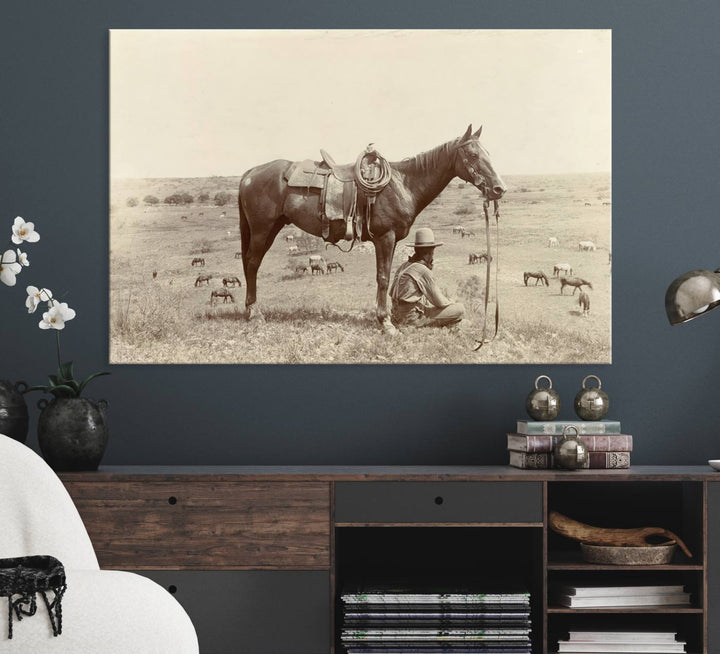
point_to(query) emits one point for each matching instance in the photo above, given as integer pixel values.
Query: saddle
(338, 186)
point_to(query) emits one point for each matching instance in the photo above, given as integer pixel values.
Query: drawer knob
(172, 500)
(172, 588)
(439, 500)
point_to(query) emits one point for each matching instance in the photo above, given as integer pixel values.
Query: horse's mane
(431, 159)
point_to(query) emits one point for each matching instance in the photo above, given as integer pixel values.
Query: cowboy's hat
(424, 238)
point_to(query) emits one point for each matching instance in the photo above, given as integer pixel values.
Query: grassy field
(330, 318)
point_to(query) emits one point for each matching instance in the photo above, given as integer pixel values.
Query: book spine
(555, 428)
(593, 442)
(596, 460)
(529, 460)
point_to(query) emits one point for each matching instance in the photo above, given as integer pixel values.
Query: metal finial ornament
(591, 403)
(570, 453)
(543, 403)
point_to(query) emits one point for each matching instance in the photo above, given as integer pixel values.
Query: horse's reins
(496, 205)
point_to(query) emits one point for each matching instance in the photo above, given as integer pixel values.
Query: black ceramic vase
(72, 433)
(13, 410)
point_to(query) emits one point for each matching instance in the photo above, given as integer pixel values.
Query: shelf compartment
(492, 558)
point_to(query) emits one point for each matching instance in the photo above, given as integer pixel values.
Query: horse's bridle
(483, 185)
(482, 182)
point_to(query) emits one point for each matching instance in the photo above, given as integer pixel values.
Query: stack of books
(583, 597)
(531, 446)
(597, 642)
(391, 621)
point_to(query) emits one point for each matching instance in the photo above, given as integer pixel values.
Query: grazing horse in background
(266, 204)
(575, 282)
(231, 281)
(562, 268)
(584, 302)
(479, 257)
(538, 276)
(334, 265)
(586, 246)
(221, 293)
(198, 261)
(203, 279)
(467, 232)
(553, 242)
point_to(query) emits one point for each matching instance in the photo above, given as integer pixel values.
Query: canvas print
(360, 196)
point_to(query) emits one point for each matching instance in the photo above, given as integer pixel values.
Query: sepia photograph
(360, 196)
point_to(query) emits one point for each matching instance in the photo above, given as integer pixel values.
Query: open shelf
(626, 609)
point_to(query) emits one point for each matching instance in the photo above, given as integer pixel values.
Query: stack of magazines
(402, 621)
(600, 642)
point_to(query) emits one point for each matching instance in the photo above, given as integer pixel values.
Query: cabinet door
(204, 525)
(254, 612)
(713, 566)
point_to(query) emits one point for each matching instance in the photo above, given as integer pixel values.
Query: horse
(334, 265)
(198, 261)
(221, 293)
(266, 204)
(575, 282)
(562, 268)
(538, 276)
(458, 229)
(584, 302)
(203, 279)
(467, 232)
(479, 257)
(586, 246)
(301, 270)
(231, 281)
(553, 242)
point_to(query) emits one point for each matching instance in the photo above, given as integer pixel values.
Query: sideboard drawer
(442, 501)
(254, 611)
(231, 525)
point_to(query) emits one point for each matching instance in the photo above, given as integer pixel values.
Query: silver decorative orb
(570, 453)
(543, 403)
(591, 403)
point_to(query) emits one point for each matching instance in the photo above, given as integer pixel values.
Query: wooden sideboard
(258, 556)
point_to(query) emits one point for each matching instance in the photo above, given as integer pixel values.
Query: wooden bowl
(621, 555)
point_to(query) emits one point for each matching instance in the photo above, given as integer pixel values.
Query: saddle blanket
(308, 174)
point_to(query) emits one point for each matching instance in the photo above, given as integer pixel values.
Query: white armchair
(104, 612)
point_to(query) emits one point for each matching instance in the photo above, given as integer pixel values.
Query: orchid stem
(57, 333)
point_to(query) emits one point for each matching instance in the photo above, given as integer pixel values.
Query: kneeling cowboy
(416, 299)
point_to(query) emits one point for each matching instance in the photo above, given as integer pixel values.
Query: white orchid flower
(22, 231)
(9, 267)
(22, 258)
(56, 317)
(36, 296)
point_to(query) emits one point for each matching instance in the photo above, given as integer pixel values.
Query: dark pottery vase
(72, 433)
(13, 410)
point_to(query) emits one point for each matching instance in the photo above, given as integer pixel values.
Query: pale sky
(195, 103)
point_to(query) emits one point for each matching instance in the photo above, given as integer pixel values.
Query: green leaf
(53, 380)
(45, 389)
(65, 371)
(63, 391)
(88, 379)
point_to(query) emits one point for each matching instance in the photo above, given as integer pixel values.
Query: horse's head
(472, 163)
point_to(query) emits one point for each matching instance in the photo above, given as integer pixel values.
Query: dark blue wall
(664, 383)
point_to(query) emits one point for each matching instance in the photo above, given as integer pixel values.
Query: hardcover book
(545, 460)
(555, 427)
(546, 442)
(603, 591)
(667, 599)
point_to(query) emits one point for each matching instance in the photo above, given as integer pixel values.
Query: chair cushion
(106, 612)
(36, 512)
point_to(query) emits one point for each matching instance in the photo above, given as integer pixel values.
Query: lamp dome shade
(691, 295)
